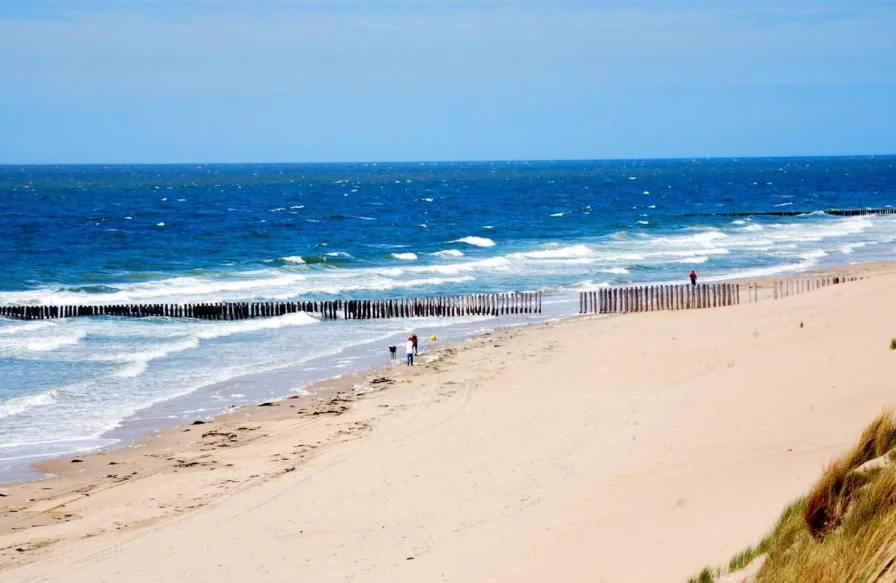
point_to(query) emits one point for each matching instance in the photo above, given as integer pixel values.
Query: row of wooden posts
(452, 306)
(688, 297)
(652, 298)
(791, 287)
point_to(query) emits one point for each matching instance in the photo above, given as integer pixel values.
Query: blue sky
(348, 80)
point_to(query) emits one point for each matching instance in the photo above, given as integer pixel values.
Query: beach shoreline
(135, 430)
(186, 468)
(130, 435)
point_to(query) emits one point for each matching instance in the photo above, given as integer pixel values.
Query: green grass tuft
(705, 576)
(742, 559)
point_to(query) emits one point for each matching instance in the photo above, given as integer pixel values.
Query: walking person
(409, 350)
(693, 276)
(414, 340)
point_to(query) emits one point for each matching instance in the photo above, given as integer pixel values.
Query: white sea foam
(643, 222)
(449, 253)
(42, 343)
(706, 238)
(404, 256)
(294, 259)
(783, 203)
(160, 224)
(475, 241)
(571, 252)
(438, 281)
(616, 271)
(558, 214)
(691, 260)
(24, 328)
(22, 404)
(589, 285)
(138, 362)
(850, 248)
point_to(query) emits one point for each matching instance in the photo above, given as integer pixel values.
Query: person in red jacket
(693, 276)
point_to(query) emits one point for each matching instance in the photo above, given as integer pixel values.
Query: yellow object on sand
(433, 337)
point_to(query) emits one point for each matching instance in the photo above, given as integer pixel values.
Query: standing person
(414, 340)
(409, 350)
(693, 276)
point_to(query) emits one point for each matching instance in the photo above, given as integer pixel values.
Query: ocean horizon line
(456, 161)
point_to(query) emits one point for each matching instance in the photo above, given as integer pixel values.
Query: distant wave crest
(404, 256)
(475, 241)
(449, 253)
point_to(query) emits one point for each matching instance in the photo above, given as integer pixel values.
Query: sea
(254, 232)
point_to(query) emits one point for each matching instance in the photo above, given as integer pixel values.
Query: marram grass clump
(844, 530)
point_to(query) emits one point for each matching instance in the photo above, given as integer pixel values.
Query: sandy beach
(622, 448)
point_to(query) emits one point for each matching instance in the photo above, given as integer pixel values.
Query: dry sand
(624, 448)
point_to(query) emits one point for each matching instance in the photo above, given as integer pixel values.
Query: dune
(618, 448)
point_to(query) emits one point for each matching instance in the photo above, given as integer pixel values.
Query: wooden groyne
(439, 307)
(831, 212)
(653, 298)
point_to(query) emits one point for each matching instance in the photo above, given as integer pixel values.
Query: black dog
(392, 350)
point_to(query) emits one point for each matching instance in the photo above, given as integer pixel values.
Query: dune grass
(844, 530)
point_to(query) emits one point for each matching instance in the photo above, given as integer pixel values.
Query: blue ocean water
(140, 234)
